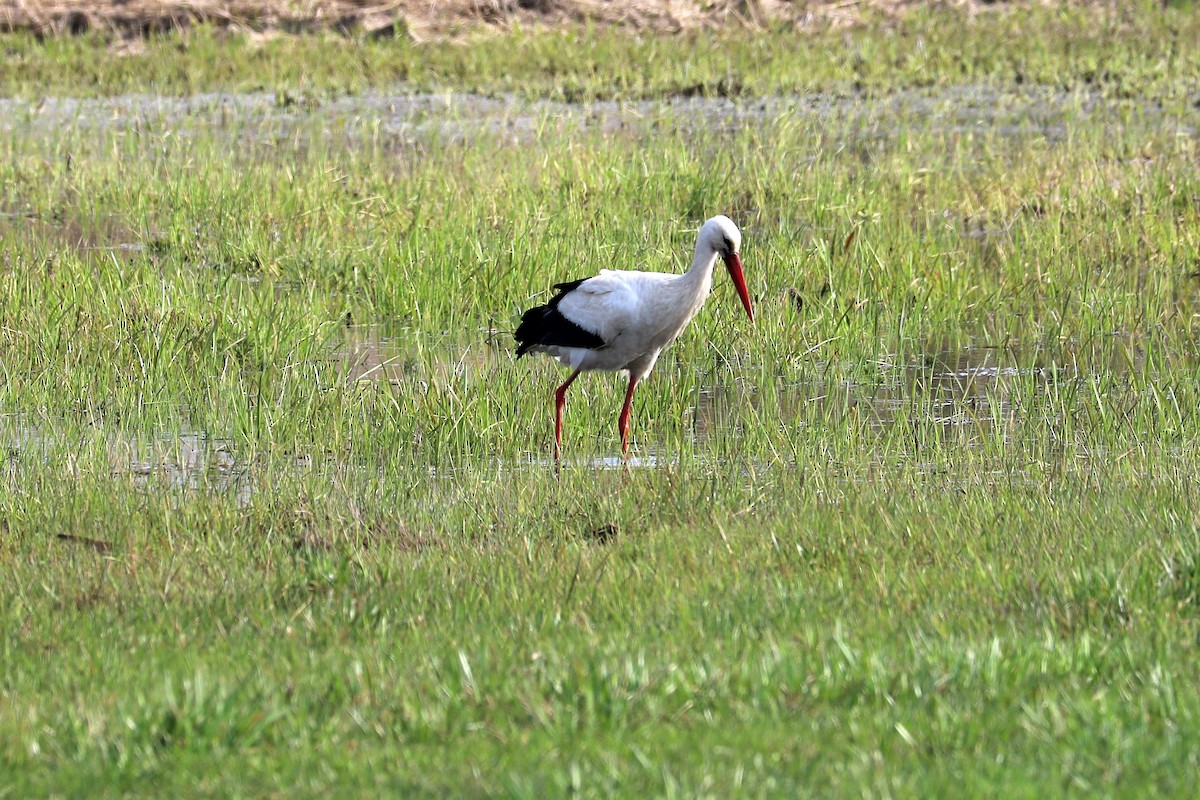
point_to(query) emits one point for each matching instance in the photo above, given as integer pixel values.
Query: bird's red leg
(560, 400)
(623, 422)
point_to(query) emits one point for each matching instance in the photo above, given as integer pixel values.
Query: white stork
(622, 320)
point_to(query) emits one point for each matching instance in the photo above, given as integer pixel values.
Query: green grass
(928, 527)
(1132, 49)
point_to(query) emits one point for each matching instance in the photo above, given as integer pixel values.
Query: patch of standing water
(970, 391)
(180, 460)
(187, 461)
(105, 237)
(458, 117)
(645, 461)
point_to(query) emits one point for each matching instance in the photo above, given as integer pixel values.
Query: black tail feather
(545, 326)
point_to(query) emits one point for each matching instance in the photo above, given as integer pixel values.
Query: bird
(621, 320)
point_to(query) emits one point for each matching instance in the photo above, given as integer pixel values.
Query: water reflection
(104, 237)
(964, 389)
(181, 460)
(184, 460)
(968, 391)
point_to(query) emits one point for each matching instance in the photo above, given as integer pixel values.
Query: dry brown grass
(429, 18)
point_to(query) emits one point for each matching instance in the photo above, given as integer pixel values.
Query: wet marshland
(278, 507)
(987, 372)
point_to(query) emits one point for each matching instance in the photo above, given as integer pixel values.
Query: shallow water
(172, 460)
(970, 392)
(106, 237)
(451, 117)
(969, 388)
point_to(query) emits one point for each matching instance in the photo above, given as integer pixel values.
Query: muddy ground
(435, 18)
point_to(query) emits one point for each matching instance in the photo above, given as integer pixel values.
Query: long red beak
(733, 263)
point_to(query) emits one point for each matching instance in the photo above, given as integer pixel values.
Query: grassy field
(1124, 50)
(277, 513)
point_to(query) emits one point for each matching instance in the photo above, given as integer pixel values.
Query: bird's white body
(637, 314)
(622, 320)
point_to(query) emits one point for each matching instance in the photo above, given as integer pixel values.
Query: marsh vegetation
(277, 509)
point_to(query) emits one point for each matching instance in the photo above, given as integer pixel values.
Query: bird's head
(721, 236)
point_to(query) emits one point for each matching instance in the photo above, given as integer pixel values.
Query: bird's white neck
(700, 274)
(692, 287)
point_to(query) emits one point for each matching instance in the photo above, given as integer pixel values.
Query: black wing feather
(545, 326)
